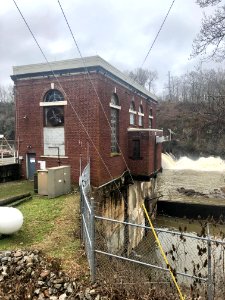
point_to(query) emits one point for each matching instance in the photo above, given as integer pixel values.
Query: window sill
(112, 154)
(53, 103)
(54, 156)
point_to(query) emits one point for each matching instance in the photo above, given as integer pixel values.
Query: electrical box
(43, 182)
(58, 181)
(54, 181)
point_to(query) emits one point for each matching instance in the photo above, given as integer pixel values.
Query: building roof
(92, 63)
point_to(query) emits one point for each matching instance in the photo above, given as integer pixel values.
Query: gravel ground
(30, 275)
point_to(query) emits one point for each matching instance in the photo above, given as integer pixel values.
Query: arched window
(53, 96)
(150, 118)
(115, 100)
(132, 112)
(140, 116)
(114, 121)
(53, 112)
(53, 126)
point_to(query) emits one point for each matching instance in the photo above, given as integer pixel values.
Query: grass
(15, 188)
(51, 225)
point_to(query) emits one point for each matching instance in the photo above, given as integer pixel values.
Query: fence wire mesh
(197, 262)
(127, 256)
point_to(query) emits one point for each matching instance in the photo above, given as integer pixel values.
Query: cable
(163, 253)
(89, 77)
(158, 33)
(74, 110)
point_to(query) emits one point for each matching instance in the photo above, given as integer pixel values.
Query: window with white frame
(132, 112)
(150, 118)
(140, 116)
(53, 108)
(53, 126)
(114, 122)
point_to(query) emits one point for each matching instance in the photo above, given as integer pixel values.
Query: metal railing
(8, 154)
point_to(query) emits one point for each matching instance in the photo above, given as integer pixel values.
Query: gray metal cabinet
(57, 181)
(43, 182)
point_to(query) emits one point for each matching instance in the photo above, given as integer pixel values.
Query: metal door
(31, 165)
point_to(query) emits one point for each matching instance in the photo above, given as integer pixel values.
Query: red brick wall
(150, 153)
(118, 164)
(82, 99)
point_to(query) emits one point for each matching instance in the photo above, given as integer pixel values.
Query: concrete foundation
(123, 202)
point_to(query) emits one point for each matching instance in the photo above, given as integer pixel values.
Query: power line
(158, 33)
(89, 77)
(31, 32)
(74, 110)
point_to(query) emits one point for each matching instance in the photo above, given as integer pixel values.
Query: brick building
(66, 117)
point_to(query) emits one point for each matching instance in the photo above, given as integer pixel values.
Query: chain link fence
(119, 258)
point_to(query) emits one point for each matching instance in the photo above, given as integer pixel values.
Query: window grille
(114, 124)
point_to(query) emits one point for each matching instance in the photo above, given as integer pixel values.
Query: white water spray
(209, 164)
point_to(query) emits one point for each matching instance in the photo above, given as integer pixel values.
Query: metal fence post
(92, 235)
(209, 266)
(81, 213)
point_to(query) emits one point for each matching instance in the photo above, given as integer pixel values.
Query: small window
(114, 100)
(132, 113)
(150, 118)
(53, 116)
(53, 96)
(136, 149)
(140, 116)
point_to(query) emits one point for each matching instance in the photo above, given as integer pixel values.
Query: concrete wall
(125, 205)
(139, 193)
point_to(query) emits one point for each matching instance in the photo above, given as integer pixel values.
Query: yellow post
(162, 252)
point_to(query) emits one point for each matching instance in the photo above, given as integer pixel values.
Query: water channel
(206, 177)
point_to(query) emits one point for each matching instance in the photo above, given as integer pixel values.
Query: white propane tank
(11, 220)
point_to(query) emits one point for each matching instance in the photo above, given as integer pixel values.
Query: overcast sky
(120, 31)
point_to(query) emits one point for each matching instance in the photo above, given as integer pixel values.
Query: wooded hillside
(7, 113)
(194, 110)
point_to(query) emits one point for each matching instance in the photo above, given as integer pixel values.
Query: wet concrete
(191, 210)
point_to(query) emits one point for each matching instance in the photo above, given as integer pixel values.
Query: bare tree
(144, 77)
(6, 94)
(210, 42)
(152, 77)
(195, 86)
(7, 112)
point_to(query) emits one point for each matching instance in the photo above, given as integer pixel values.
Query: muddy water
(216, 230)
(206, 176)
(207, 182)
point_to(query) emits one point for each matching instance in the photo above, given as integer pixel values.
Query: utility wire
(74, 110)
(158, 33)
(31, 33)
(89, 77)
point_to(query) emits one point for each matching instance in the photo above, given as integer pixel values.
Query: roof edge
(77, 63)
